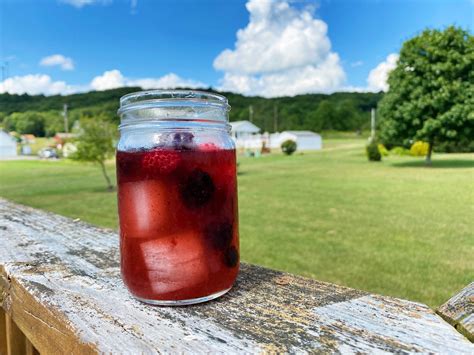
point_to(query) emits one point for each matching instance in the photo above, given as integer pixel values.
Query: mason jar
(177, 196)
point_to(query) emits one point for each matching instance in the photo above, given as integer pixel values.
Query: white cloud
(8, 58)
(322, 78)
(35, 84)
(109, 80)
(133, 7)
(65, 63)
(167, 81)
(81, 3)
(114, 79)
(377, 79)
(357, 63)
(282, 51)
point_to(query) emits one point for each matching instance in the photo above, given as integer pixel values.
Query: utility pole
(275, 118)
(66, 123)
(250, 113)
(372, 124)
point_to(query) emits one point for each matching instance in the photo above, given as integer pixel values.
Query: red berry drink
(178, 220)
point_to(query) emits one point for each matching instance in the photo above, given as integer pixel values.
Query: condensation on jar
(177, 196)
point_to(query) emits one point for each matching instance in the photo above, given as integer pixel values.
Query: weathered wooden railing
(61, 293)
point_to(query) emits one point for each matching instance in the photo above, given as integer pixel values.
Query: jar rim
(159, 97)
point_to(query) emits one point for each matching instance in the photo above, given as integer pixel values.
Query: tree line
(42, 115)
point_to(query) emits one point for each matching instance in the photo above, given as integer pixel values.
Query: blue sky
(284, 47)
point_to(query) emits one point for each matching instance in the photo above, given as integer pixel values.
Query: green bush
(400, 151)
(288, 147)
(373, 152)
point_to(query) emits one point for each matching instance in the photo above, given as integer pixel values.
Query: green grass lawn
(395, 228)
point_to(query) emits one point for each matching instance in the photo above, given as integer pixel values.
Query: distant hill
(21, 103)
(338, 111)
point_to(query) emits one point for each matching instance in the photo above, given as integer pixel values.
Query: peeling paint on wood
(390, 324)
(60, 282)
(459, 311)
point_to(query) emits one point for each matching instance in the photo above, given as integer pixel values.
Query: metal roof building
(305, 140)
(7, 145)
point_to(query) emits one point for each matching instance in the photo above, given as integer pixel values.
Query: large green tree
(96, 143)
(324, 115)
(26, 122)
(41, 124)
(431, 91)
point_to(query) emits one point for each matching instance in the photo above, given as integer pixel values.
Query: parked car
(48, 153)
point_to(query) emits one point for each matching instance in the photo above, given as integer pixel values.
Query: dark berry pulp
(178, 221)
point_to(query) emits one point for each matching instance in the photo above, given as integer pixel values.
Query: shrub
(373, 152)
(399, 151)
(419, 149)
(383, 151)
(288, 147)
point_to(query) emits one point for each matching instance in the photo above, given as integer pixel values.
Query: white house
(245, 135)
(7, 145)
(305, 140)
(243, 129)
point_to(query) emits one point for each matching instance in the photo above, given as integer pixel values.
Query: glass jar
(177, 196)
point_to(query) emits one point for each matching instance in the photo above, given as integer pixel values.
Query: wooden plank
(30, 349)
(16, 341)
(3, 332)
(61, 284)
(46, 328)
(459, 311)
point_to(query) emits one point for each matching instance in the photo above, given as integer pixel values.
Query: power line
(275, 118)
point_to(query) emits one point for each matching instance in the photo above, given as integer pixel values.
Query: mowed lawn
(395, 228)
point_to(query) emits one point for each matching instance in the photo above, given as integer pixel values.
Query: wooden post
(3, 332)
(459, 311)
(30, 349)
(16, 341)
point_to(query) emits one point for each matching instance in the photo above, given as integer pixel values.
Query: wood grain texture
(61, 284)
(30, 349)
(16, 341)
(459, 311)
(3, 332)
